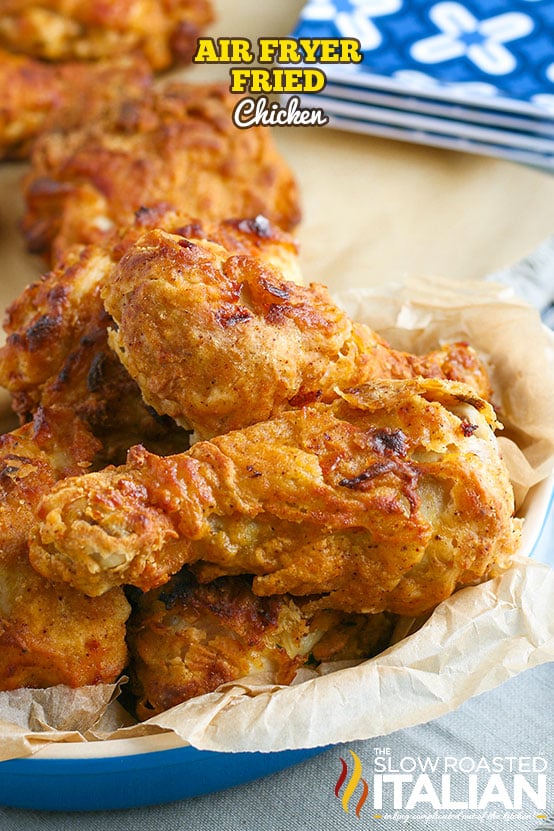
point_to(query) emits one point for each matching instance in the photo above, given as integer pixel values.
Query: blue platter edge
(136, 780)
(132, 781)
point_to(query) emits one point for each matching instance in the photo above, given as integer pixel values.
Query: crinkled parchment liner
(477, 639)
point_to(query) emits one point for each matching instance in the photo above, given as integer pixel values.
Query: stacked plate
(476, 75)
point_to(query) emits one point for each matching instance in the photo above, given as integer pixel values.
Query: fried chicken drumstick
(177, 146)
(386, 500)
(219, 340)
(56, 351)
(49, 633)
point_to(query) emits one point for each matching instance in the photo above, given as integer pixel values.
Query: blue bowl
(127, 780)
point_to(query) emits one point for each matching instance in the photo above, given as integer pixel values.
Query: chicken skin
(387, 499)
(49, 633)
(219, 340)
(165, 32)
(37, 97)
(187, 638)
(177, 146)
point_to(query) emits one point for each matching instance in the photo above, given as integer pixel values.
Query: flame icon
(548, 825)
(352, 784)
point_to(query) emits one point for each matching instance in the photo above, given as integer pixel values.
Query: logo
(353, 782)
(413, 788)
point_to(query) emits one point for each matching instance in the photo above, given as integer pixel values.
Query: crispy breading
(49, 633)
(177, 146)
(44, 325)
(98, 389)
(386, 500)
(56, 352)
(36, 97)
(186, 638)
(165, 32)
(219, 340)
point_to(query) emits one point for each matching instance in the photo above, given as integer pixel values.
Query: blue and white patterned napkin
(477, 74)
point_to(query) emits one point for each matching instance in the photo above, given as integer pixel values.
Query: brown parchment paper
(377, 215)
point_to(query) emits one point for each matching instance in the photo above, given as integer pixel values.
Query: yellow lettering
(281, 50)
(289, 52)
(240, 79)
(260, 80)
(330, 50)
(309, 47)
(240, 51)
(350, 51)
(267, 47)
(206, 51)
(288, 80)
(227, 50)
(314, 80)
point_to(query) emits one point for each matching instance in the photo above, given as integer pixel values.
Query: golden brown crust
(176, 146)
(386, 500)
(46, 323)
(49, 634)
(218, 339)
(186, 638)
(37, 97)
(57, 353)
(451, 362)
(98, 389)
(164, 33)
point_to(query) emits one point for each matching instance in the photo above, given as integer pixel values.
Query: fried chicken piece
(165, 33)
(57, 353)
(96, 388)
(49, 633)
(101, 393)
(186, 638)
(176, 146)
(38, 97)
(45, 324)
(219, 341)
(387, 499)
